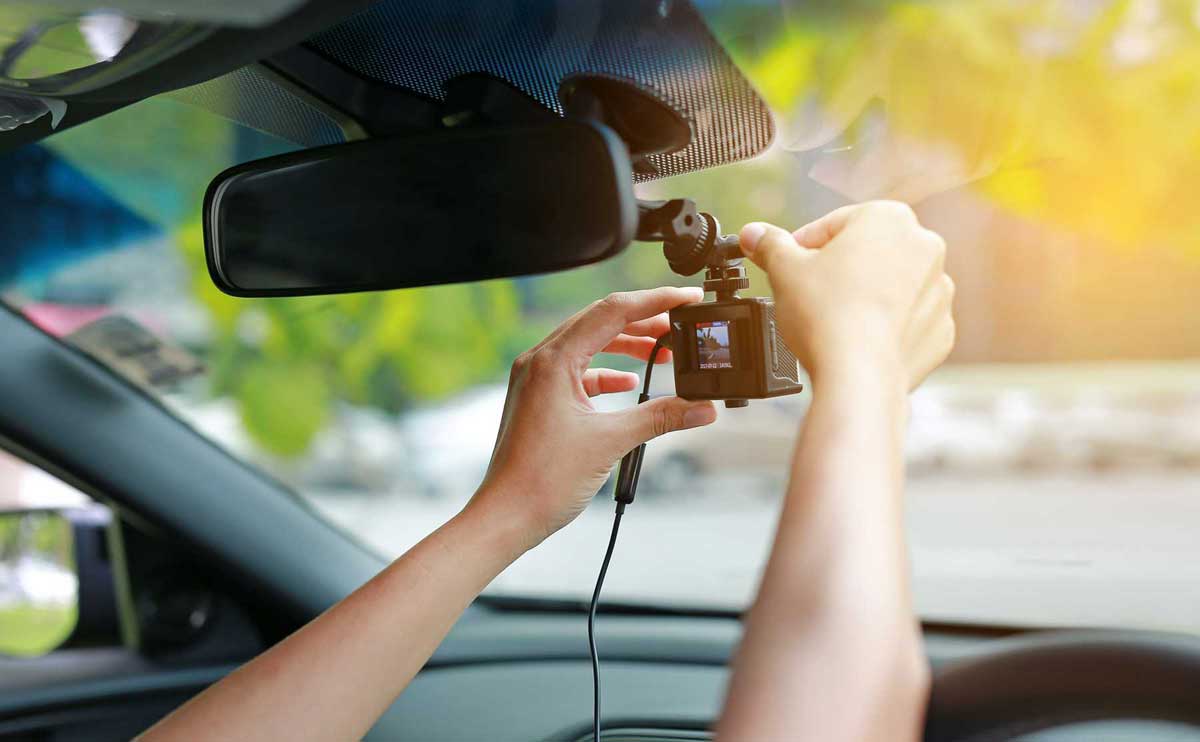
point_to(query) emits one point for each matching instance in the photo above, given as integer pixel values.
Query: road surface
(1111, 549)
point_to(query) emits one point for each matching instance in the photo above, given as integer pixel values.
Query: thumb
(663, 415)
(768, 246)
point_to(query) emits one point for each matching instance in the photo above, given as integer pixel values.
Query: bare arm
(333, 678)
(832, 649)
(336, 675)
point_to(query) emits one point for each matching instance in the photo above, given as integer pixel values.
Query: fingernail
(751, 234)
(701, 414)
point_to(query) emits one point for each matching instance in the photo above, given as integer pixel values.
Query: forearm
(831, 651)
(334, 677)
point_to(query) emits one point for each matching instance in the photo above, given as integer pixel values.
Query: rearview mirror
(443, 207)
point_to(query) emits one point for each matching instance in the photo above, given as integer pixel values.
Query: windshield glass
(1053, 464)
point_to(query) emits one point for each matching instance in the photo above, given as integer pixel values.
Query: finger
(949, 337)
(605, 319)
(606, 381)
(938, 345)
(658, 416)
(557, 332)
(767, 245)
(652, 327)
(566, 324)
(636, 347)
(934, 303)
(820, 231)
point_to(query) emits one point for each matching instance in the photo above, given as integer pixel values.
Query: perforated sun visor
(663, 46)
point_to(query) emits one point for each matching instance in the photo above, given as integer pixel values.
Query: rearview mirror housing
(444, 207)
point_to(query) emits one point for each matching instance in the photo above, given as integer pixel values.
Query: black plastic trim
(378, 108)
(76, 677)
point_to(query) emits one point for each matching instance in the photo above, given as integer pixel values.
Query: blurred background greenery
(1055, 144)
(1054, 123)
(29, 625)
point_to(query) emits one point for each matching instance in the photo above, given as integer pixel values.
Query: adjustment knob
(688, 240)
(686, 222)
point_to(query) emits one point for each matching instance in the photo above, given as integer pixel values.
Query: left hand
(554, 449)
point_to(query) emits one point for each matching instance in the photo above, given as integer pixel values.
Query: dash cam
(728, 348)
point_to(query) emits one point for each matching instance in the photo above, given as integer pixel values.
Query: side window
(45, 527)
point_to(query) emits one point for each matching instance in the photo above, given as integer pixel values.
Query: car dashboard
(525, 676)
(501, 674)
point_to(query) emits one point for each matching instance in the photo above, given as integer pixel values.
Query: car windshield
(1053, 463)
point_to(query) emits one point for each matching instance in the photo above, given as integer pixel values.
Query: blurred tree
(1077, 116)
(1084, 116)
(287, 362)
(9, 532)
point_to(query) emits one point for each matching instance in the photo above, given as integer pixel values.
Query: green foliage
(31, 631)
(1032, 102)
(158, 156)
(45, 533)
(287, 362)
(1079, 117)
(26, 629)
(283, 405)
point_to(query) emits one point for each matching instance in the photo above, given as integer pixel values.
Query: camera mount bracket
(692, 241)
(726, 280)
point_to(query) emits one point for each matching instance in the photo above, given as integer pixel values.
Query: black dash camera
(727, 348)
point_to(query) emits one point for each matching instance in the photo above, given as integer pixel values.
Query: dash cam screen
(712, 344)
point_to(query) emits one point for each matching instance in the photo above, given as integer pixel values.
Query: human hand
(864, 282)
(554, 449)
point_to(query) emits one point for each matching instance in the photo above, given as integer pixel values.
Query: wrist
(507, 529)
(856, 354)
(868, 379)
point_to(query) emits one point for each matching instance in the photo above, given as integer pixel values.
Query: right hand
(864, 281)
(554, 449)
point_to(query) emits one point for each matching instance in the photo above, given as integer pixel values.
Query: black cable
(626, 488)
(612, 541)
(658, 345)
